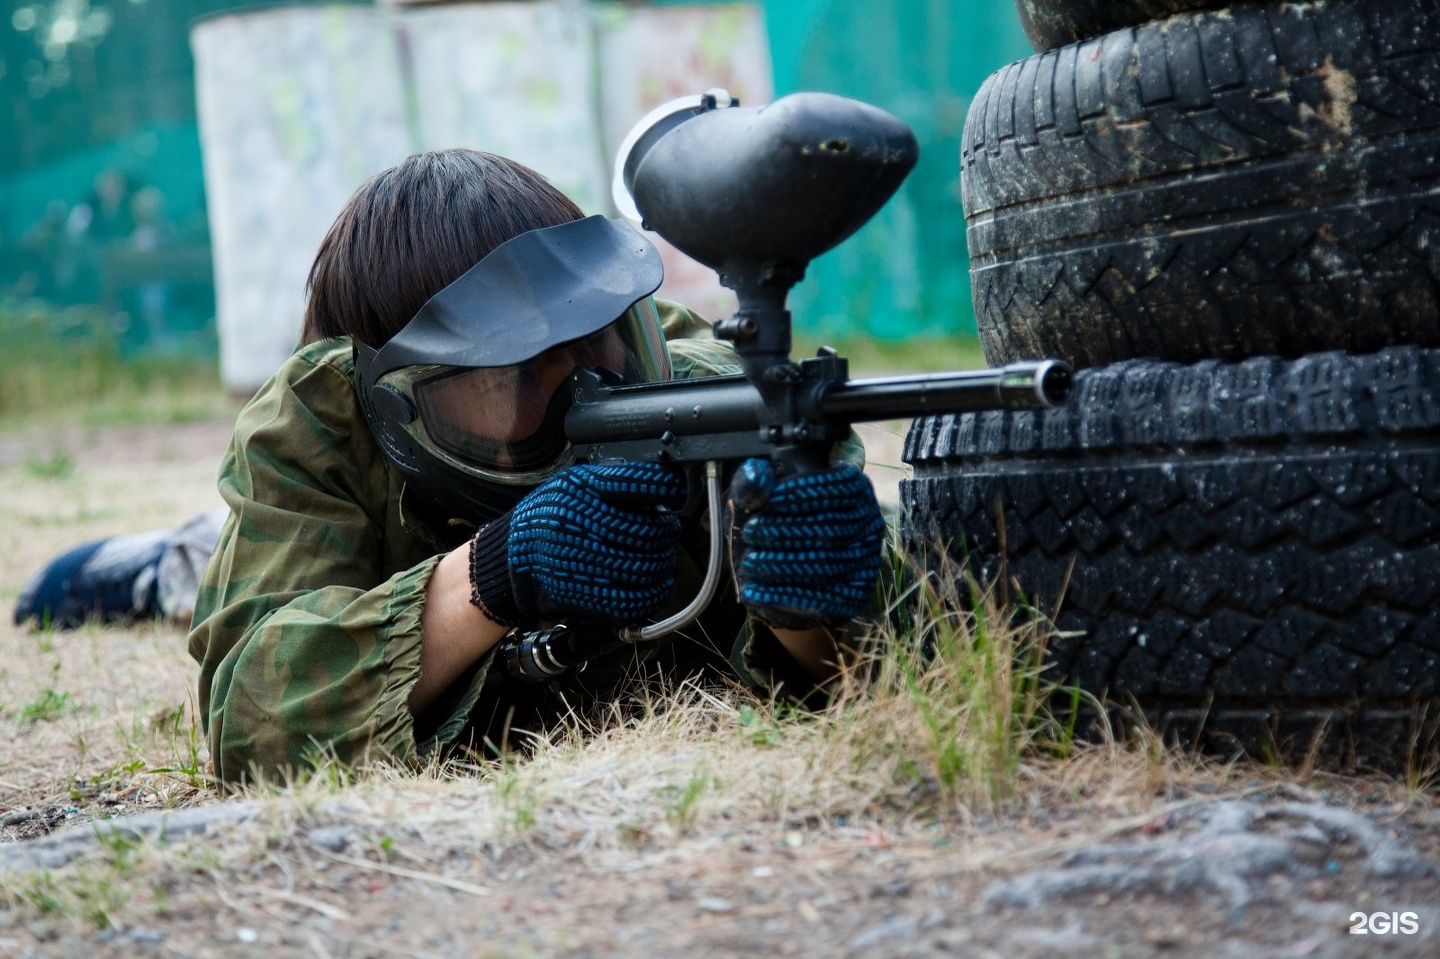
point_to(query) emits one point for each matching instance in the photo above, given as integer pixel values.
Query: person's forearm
(815, 650)
(454, 633)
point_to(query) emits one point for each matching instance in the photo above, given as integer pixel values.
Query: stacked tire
(1228, 220)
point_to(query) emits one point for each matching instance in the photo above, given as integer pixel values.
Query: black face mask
(536, 292)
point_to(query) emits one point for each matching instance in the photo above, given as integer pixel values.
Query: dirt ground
(99, 723)
(76, 705)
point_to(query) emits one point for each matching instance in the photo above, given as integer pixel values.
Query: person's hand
(806, 547)
(594, 543)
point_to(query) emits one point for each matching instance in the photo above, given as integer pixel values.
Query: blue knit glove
(806, 548)
(590, 544)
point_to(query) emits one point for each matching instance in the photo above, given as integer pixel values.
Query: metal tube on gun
(1040, 384)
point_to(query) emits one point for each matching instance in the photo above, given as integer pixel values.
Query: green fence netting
(101, 187)
(906, 272)
(102, 199)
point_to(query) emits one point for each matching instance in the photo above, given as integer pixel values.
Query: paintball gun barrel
(756, 194)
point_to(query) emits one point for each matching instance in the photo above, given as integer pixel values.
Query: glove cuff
(491, 590)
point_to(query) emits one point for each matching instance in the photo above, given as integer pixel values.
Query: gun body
(756, 194)
(726, 417)
(718, 420)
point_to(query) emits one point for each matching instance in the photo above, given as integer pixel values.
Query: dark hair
(411, 230)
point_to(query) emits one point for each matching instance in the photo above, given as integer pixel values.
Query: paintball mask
(468, 400)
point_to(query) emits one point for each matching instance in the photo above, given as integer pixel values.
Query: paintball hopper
(768, 189)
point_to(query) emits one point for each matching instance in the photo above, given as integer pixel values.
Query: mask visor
(506, 423)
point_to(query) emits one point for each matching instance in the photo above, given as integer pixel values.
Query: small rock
(902, 929)
(333, 838)
(891, 890)
(137, 935)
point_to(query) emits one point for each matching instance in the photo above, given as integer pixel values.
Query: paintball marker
(756, 194)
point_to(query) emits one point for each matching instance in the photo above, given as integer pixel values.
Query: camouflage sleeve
(694, 351)
(307, 625)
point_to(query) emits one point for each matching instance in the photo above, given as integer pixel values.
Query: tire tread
(1255, 535)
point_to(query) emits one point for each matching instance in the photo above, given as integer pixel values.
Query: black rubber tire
(1256, 541)
(1053, 23)
(1260, 181)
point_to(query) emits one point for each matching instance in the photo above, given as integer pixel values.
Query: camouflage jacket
(307, 624)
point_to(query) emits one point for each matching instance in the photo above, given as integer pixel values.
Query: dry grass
(97, 718)
(949, 763)
(942, 732)
(938, 753)
(67, 366)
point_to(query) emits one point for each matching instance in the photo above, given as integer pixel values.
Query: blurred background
(167, 167)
